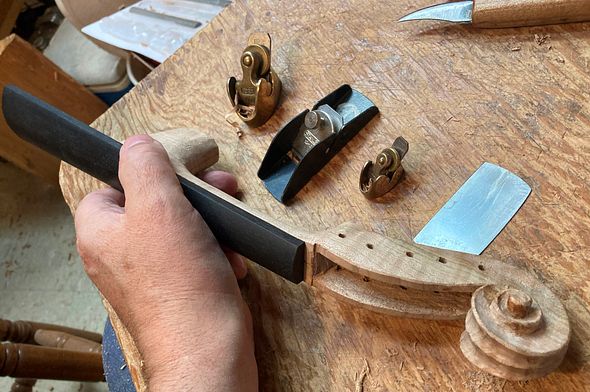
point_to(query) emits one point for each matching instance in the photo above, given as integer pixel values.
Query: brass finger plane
(255, 97)
(380, 177)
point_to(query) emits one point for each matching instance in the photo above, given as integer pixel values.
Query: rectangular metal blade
(477, 212)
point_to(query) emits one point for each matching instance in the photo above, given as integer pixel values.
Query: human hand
(154, 259)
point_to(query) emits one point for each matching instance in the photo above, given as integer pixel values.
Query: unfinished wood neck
(403, 279)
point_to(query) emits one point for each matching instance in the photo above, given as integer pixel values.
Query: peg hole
(481, 267)
(341, 235)
(365, 279)
(436, 292)
(442, 260)
(370, 246)
(409, 254)
(403, 287)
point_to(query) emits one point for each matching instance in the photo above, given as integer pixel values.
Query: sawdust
(483, 382)
(360, 380)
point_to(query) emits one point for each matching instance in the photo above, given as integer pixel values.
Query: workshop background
(455, 101)
(42, 278)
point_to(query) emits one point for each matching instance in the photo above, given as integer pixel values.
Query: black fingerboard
(98, 155)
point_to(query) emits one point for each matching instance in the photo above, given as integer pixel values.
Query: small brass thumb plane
(515, 327)
(506, 13)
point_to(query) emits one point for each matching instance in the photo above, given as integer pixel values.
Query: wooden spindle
(29, 361)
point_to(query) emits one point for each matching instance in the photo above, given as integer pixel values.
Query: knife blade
(98, 155)
(506, 13)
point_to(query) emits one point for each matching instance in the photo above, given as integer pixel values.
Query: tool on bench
(477, 212)
(255, 97)
(380, 177)
(506, 13)
(516, 327)
(308, 142)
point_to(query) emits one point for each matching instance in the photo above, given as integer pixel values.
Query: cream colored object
(82, 13)
(83, 60)
(154, 37)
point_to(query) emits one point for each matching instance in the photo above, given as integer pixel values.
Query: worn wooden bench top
(460, 96)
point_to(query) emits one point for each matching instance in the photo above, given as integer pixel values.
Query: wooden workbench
(460, 96)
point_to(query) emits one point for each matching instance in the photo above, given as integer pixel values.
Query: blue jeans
(115, 369)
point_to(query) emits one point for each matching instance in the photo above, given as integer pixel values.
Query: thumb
(147, 176)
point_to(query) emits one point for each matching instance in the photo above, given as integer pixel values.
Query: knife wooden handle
(516, 13)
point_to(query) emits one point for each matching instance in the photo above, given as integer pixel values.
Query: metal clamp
(255, 97)
(380, 177)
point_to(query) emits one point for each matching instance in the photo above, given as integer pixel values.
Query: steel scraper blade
(477, 212)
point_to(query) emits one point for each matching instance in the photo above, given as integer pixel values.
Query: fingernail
(137, 139)
(244, 267)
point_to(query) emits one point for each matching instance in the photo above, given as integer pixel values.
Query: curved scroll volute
(515, 327)
(517, 334)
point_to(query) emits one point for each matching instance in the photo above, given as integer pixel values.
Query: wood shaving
(360, 380)
(391, 353)
(401, 365)
(513, 44)
(541, 39)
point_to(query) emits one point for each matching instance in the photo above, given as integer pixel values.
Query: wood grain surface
(24, 66)
(9, 10)
(511, 13)
(460, 96)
